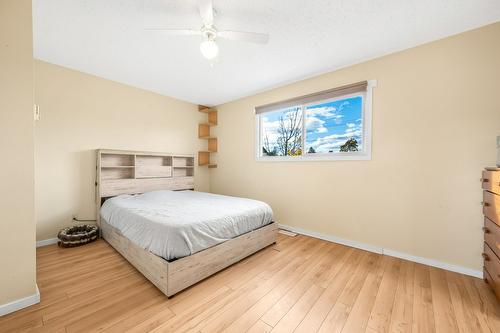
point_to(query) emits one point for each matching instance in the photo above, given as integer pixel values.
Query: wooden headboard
(133, 172)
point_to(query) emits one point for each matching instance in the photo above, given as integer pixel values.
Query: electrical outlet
(36, 112)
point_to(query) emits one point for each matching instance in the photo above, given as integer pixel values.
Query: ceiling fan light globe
(209, 49)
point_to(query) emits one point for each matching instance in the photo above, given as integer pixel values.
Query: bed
(173, 235)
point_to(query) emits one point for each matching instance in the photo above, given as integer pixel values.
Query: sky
(331, 124)
(328, 125)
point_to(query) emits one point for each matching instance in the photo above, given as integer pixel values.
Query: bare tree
(267, 149)
(290, 133)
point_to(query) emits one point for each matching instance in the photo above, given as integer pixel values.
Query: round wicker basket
(77, 235)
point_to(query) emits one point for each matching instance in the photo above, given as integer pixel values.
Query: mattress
(175, 224)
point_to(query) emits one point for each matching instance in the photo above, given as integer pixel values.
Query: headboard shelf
(133, 172)
(183, 172)
(153, 160)
(183, 161)
(116, 160)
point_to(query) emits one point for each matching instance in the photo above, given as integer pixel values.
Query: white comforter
(174, 224)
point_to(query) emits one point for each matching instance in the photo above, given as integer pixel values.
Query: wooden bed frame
(132, 172)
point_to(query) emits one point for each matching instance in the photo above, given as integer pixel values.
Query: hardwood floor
(301, 284)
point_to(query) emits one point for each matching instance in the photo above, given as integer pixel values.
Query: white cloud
(327, 111)
(270, 131)
(334, 141)
(314, 124)
(344, 104)
(338, 119)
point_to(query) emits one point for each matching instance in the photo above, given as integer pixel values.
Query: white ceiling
(307, 37)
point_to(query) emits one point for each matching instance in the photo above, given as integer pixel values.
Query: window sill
(336, 157)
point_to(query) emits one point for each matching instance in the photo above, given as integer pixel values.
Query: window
(330, 125)
(282, 132)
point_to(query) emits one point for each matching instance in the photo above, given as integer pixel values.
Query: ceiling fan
(210, 33)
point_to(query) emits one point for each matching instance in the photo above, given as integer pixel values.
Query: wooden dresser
(491, 211)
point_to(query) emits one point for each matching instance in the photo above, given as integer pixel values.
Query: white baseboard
(20, 303)
(45, 242)
(334, 239)
(435, 263)
(287, 232)
(388, 252)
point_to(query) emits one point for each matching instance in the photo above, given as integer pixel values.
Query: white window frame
(364, 155)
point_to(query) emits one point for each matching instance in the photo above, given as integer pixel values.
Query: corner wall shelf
(204, 134)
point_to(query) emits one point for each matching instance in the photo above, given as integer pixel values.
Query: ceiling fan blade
(206, 9)
(180, 32)
(252, 37)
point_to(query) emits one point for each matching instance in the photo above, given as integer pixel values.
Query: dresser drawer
(491, 181)
(492, 236)
(491, 206)
(495, 286)
(492, 265)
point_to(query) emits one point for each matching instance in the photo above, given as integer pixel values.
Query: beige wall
(81, 113)
(17, 225)
(436, 114)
